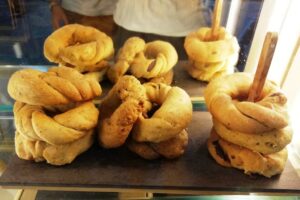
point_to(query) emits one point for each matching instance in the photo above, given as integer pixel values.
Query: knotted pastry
(60, 85)
(211, 57)
(172, 116)
(170, 149)
(151, 60)
(248, 135)
(120, 110)
(225, 97)
(230, 155)
(43, 137)
(82, 47)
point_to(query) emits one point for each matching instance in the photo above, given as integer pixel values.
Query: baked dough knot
(211, 57)
(120, 110)
(56, 138)
(225, 99)
(60, 85)
(161, 131)
(82, 47)
(144, 60)
(248, 135)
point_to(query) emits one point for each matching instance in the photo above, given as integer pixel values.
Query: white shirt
(90, 7)
(163, 17)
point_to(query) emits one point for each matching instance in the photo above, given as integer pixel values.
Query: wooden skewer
(216, 18)
(263, 66)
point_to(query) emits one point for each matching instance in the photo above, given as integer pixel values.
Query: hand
(59, 17)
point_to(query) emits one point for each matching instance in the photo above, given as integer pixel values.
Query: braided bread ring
(170, 119)
(33, 123)
(78, 45)
(265, 143)
(60, 85)
(169, 149)
(223, 96)
(200, 49)
(120, 110)
(157, 58)
(147, 61)
(38, 150)
(245, 159)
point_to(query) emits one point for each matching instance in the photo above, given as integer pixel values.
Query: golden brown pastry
(119, 111)
(60, 85)
(170, 149)
(231, 155)
(39, 150)
(144, 60)
(211, 57)
(82, 47)
(173, 115)
(225, 99)
(58, 128)
(265, 143)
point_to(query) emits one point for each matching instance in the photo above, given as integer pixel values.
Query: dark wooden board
(119, 168)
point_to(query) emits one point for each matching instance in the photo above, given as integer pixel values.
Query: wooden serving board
(119, 169)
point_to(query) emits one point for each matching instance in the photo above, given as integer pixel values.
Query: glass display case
(117, 173)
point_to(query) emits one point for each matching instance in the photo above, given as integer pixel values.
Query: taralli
(79, 46)
(144, 60)
(119, 111)
(265, 143)
(33, 123)
(60, 85)
(211, 56)
(57, 139)
(38, 150)
(225, 97)
(231, 155)
(169, 149)
(173, 115)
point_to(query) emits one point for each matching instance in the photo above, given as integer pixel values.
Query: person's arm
(58, 15)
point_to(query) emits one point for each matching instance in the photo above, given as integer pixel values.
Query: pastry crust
(170, 149)
(242, 158)
(225, 97)
(119, 111)
(60, 85)
(173, 115)
(265, 143)
(33, 123)
(210, 58)
(144, 60)
(82, 47)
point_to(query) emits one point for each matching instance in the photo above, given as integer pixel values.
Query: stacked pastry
(151, 61)
(54, 114)
(151, 118)
(83, 48)
(251, 136)
(211, 56)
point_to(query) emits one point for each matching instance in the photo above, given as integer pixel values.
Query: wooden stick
(263, 66)
(216, 19)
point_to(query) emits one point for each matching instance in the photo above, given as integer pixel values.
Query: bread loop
(120, 110)
(147, 61)
(265, 143)
(230, 155)
(169, 149)
(200, 49)
(60, 85)
(225, 97)
(38, 150)
(78, 45)
(34, 124)
(173, 115)
(210, 58)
